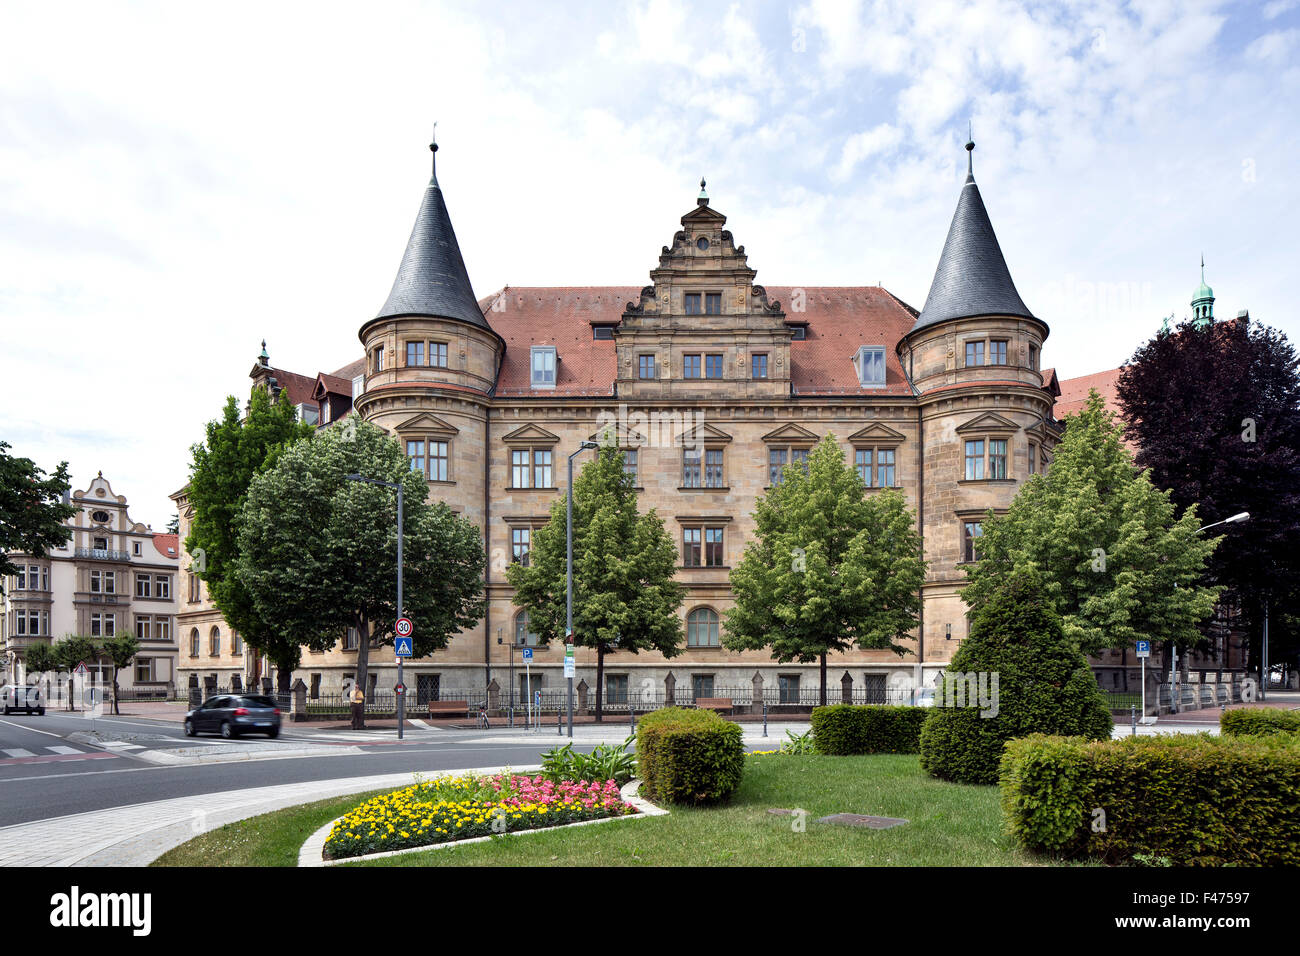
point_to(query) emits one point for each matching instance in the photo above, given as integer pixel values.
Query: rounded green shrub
(846, 729)
(1043, 685)
(689, 756)
(1259, 721)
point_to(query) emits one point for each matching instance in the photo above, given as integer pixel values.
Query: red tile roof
(164, 541)
(299, 388)
(1074, 392)
(840, 321)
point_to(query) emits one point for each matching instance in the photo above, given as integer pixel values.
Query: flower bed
(458, 808)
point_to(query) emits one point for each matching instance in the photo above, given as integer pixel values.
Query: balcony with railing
(103, 554)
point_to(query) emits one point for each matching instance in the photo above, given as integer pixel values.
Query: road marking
(32, 729)
(19, 752)
(65, 750)
(120, 745)
(54, 758)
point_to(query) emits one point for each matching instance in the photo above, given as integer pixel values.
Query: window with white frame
(871, 365)
(543, 364)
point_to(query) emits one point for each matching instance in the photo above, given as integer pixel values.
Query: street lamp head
(1244, 516)
(588, 444)
(354, 478)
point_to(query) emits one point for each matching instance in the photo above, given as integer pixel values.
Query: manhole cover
(862, 820)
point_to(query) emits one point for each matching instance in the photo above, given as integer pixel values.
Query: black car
(232, 715)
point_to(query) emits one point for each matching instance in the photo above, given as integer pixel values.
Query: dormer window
(544, 360)
(308, 414)
(871, 366)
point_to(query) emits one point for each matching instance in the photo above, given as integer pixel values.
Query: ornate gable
(791, 434)
(530, 435)
(988, 423)
(426, 423)
(876, 434)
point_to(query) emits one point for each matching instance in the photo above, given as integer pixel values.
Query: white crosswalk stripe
(19, 752)
(65, 750)
(121, 745)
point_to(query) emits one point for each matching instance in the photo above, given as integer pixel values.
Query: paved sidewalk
(137, 835)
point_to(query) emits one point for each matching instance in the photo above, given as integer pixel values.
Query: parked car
(233, 715)
(26, 697)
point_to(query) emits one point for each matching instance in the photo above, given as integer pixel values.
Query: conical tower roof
(432, 279)
(972, 278)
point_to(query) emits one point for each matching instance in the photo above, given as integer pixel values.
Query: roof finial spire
(433, 149)
(970, 150)
(703, 198)
(1202, 267)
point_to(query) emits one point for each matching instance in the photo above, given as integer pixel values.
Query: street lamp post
(401, 698)
(568, 574)
(1239, 517)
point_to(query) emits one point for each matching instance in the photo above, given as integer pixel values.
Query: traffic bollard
(764, 718)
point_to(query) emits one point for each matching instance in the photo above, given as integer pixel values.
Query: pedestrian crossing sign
(403, 647)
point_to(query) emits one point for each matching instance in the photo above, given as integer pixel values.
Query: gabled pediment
(703, 214)
(617, 435)
(703, 434)
(792, 434)
(876, 433)
(1039, 431)
(531, 435)
(426, 423)
(988, 422)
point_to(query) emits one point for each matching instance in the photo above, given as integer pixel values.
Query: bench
(715, 703)
(458, 708)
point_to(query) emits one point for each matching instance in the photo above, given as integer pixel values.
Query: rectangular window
(974, 460)
(799, 456)
(691, 468)
(646, 366)
(862, 462)
(194, 588)
(377, 359)
(602, 332)
(691, 547)
(1033, 357)
(308, 414)
(520, 540)
(885, 468)
(135, 548)
(543, 364)
(358, 386)
(974, 354)
(162, 629)
(162, 586)
(236, 643)
(692, 303)
(142, 628)
(713, 303)
(542, 468)
(414, 353)
(702, 685)
(713, 548)
(998, 458)
(143, 585)
(788, 688)
(1033, 458)
(351, 639)
(616, 688)
(799, 333)
(871, 366)
(438, 461)
(713, 366)
(519, 468)
(529, 684)
(101, 544)
(415, 455)
(970, 533)
(776, 458)
(758, 366)
(713, 468)
(143, 670)
(438, 354)
(998, 352)
(690, 366)
(21, 578)
(630, 465)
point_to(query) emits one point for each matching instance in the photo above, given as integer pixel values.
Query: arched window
(214, 643)
(194, 642)
(523, 636)
(702, 628)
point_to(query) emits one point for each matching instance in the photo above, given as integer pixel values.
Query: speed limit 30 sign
(404, 627)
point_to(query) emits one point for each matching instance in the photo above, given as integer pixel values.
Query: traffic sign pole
(401, 613)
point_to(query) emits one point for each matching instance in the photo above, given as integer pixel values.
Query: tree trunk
(283, 678)
(116, 712)
(600, 680)
(363, 662)
(823, 690)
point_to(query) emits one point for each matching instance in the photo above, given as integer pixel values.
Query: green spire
(703, 198)
(1203, 301)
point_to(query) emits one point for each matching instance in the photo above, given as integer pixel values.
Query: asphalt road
(62, 776)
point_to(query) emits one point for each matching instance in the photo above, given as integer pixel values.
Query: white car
(25, 697)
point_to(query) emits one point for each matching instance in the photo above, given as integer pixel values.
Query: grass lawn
(273, 839)
(950, 825)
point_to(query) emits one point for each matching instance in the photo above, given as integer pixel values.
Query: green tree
(235, 449)
(830, 566)
(76, 649)
(120, 649)
(1118, 563)
(318, 553)
(625, 594)
(39, 659)
(32, 512)
(1044, 685)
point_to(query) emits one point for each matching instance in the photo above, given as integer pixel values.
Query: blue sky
(179, 182)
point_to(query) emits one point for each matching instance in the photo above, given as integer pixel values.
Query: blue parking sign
(527, 653)
(1143, 648)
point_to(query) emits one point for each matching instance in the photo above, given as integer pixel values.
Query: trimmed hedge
(1195, 800)
(1044, 686)
(1259, 721)
(847, 729)
(689, 756)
